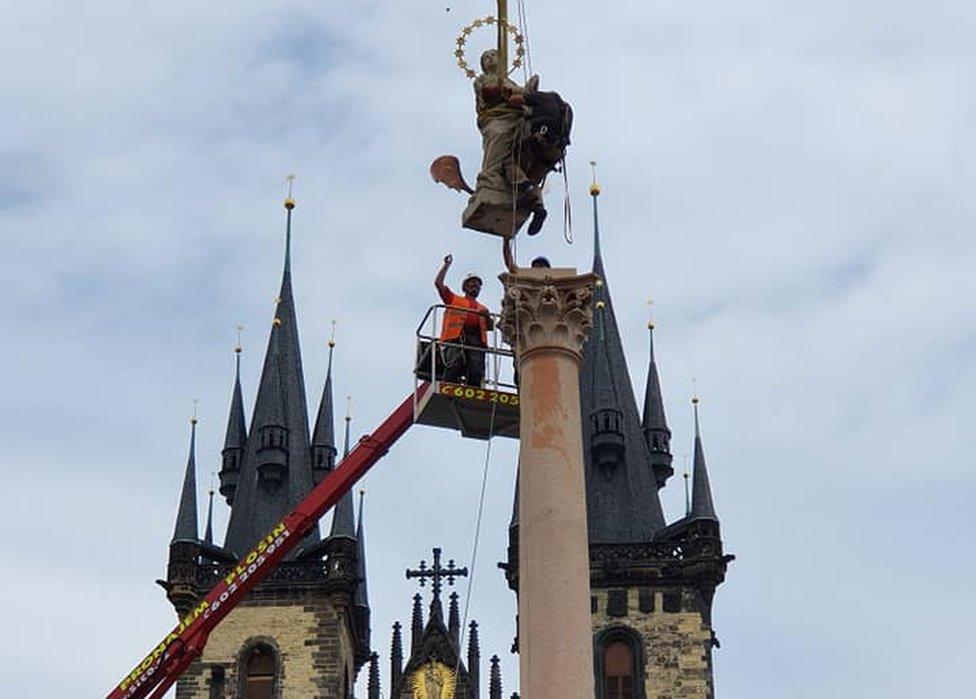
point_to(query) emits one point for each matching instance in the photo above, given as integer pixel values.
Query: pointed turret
(655, 423)
(343, 522)
(474, 659)
(186, 517)
(416, 623)
(276, 472)
(622, 501)
(361, 596)
(495, 679)
(235, 441)
(396, 655)
(373, 688)
(184, 549)
(208, 531)
(454, 621)
(323, 436)
(362, 591)
(701, 491)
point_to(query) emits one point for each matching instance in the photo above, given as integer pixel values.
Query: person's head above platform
(471, 285)
(542, 262)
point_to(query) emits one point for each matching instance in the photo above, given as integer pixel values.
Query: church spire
(276, 472)
(597, 251)
(323, 436)
(701, 491)
(208, 531)
(495, 679)
(474, 659)
(373, 687)
(343, 524)
(654, 423)
(362, 591)
(416, 623)
(235, 440)
(622, 501)
(186, 517)
(396, 656)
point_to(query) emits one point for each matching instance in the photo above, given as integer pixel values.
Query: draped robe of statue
(502, 184)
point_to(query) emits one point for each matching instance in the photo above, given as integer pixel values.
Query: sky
(791, 182)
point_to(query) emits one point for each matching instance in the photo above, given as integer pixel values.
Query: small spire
(474, 659)
(348, 418)
(289, 207)
(416, 623)
(654, 423)
(323, 436)
(396, 656)
(208, 531)
(687, 489)
(235, 438)
(342, 518)
(597, 253)
(362, 592)
(495, 679)
(454, 620)
(186, 517)
(373, 688)
(701, 494)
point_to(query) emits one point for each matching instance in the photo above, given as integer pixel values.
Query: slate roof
(236, 435)
(622, 503)
(702, 506)
(280, 402)
(187, 528)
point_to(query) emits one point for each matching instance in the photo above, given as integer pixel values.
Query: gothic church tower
(304, 632)
(651, 582)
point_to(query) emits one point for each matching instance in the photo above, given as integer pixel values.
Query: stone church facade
(305, 632)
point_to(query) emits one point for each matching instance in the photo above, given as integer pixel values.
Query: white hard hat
(469, 276)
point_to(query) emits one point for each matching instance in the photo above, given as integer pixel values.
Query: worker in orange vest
(464, 331)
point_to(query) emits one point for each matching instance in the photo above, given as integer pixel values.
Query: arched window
(618, 671)
(259, 672)
(618, 658)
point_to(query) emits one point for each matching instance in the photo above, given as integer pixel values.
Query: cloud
(790, 182)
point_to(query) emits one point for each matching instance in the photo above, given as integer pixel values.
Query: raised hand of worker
(448, 259)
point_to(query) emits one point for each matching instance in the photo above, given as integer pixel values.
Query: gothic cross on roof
(436, 572)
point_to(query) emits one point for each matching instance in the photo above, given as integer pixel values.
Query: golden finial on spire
(348, 408)
(650, 314)
(238, 348)
(277, 322)
(193, 419)
(694, 391)
(289, 202)
(594, 186)
(332, 335)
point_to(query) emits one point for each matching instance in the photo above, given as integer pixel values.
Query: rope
(524, 24)
(477, 538)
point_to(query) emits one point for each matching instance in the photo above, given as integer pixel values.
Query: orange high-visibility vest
(454, 318)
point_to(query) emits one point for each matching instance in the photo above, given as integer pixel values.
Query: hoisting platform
(480, 412)
(489, 409)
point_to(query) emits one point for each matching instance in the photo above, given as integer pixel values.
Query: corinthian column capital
(548, 309)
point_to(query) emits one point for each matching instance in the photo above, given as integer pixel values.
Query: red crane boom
(164, 664)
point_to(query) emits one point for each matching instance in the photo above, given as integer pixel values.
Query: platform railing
(429, 347)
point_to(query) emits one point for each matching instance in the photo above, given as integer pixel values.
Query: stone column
(546, 316)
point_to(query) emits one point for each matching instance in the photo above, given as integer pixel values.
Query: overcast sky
(791, 181)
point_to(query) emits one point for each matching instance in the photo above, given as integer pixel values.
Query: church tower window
(259, 672)
(619, 671)
(618, 663)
